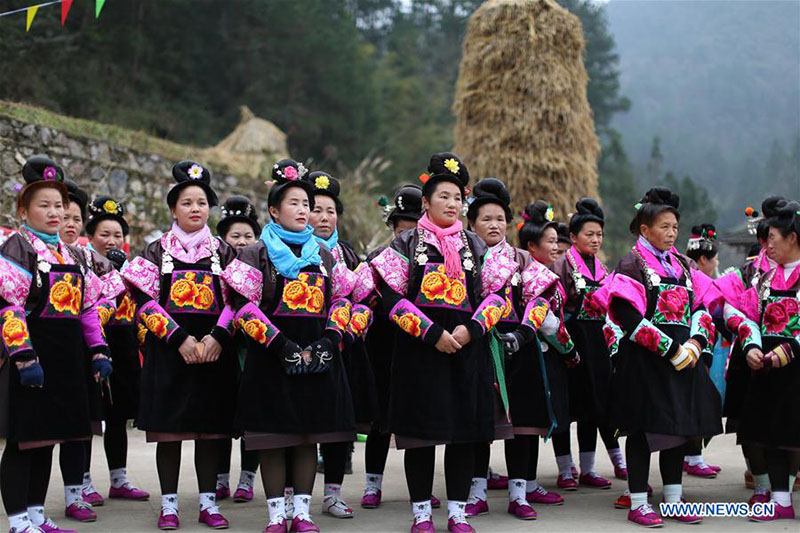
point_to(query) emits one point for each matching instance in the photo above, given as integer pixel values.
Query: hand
(755, 359)
(30, 374)
(101, 368)
(187, 350)
(461, 335)
(212, 349)
(447, 344)
(510, 342)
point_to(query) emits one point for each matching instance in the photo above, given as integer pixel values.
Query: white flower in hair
(301, 169)
(195, 172)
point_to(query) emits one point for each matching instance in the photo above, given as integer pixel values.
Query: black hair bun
(661, 196)
(448, 165)
(771, 205)
(492, 188)
(288, 170)
(537, 213)
(589, 206)
(787, 210)
(40, 167)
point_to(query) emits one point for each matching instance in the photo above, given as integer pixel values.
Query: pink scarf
(194, 244)
(447, 246)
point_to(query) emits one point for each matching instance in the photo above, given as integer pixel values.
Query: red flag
(65, 6)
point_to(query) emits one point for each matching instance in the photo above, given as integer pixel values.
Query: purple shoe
(459, 526)
(168, 522)
(620, 472)
(565, 482)
(496, 482)
(435, 502)
(50, 527)
(544, 497)
(780, 512)
(92, 497)
(476, 509)
(699, 470)
(303, 526)
(574, 472)
(645, 516)
(758, 498)
(371, 500)
(277, 528)
(426, 526)
(522, 511)
(594, 480)
(127, 492)
(213, 520)
(715, 468)
(80, 511)
(222, 492)
(243, 495)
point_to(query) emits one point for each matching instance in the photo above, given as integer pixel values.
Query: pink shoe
(624, 501)
(435, 502)
(620, 472)
(303, 526)
(276, 528)
(645, 516)
(476, 509)
(50, 527)
(496, 482)
(544, 497)
(213, 520)
(715, 468)
(758, 498)
(566, 483)
(371, 500)
(80, 511)
(699, 470)
(243, 495)
(93, 498)
(168, 522)
(574, 472)
(459, 526)
(780, 512)
(522, 511)
(222, 493)
(127, 492)
(426, 526)
(594, 480)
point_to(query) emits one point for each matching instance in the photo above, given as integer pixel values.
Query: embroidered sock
(277, 509)
(19, 521)
(247, 479)
(761, 481)
(288, 494)
(587, 462)
(784, 499)
(456, 510)
(36, 515)
(615, 454)
(223, 480)
(421, 510)
(119, 477)
(332, 489)
(208, 502)
(672, 493)
(87, 482)
(301, 505)
(169, 504)
(564, 463)
(694, 460)
(531, 485)
(638, 499)
(374, 483)
(477, 490)
(72, 494)
(516, 489)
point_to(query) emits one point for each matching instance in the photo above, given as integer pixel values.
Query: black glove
(117, 258)
(511, 342)
(322, 351)
(102, 366)
(31, 375)
(297, 361)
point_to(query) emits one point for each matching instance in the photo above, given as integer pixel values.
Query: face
(293, 211)
(73, 223)
(562, 248)
(444, 206)
(589, 239)
(240, 234)
(708, 266)
(323, 218)
(402, 224)
(45, 212)
(490, 224)
(107, 236)
(546, 252)
(783, 249)
(191, 209)
(663, 232)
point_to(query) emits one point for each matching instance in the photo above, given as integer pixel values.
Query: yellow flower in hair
(322, 182)
(452, 165)
(110, 206)
(549, 215)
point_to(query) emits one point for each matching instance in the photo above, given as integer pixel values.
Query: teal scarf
(331, 241)
(48, 239)
(277, 239)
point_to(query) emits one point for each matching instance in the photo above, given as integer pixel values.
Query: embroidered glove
(780, 356)
(102, 366)
(322, 352)
(117, 258)
(511, 342)
(30, 374)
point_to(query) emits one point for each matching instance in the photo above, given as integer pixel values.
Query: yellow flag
(31, 15)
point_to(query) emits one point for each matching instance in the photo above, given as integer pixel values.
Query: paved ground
(585, 510)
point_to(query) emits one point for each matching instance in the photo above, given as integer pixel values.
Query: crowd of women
(273, 331)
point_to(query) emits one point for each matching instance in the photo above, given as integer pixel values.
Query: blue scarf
(51, 240)
(277, 240)
(331, 241)
(663, 257)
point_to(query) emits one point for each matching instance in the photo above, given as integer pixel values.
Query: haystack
(520, 104)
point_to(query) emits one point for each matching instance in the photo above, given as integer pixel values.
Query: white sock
(87, 482)
(564, 463)
(694, 460)
(223, 480)
(456, 509)
(169, 504)
(36, 515)
(72, 494)
(19, 521)
(247, 479)
(615, 454)
(477, 490)
(531, 485)
(277, 509)
(761, 482)
(374, 483)
(288, 494)
(638, 499)
(421, 510)
(672, 493)
(782, 498)
(301, 505)
(516, 489)
(587, 462)
(208, 502)
(332, 489)
(119, 477)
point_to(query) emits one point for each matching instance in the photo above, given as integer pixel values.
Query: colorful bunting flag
(98, 6)
(31, 15)
(65, 6)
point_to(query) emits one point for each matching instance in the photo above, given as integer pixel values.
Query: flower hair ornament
(753, 218)
(385, 207)
(704, 240)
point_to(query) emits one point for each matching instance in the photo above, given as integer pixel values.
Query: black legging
(481, 460)
(301, 461)
(694, 447)
(376, 451)
(780, 464)
(334, 457)
(72, 461)
(587, 439)
(168, 464)
(522, 456)
(637, 453)
(249, 461)
(24, 477)
(458, 467)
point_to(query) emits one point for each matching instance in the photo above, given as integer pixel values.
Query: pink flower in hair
(290, 173)
(49, 173)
